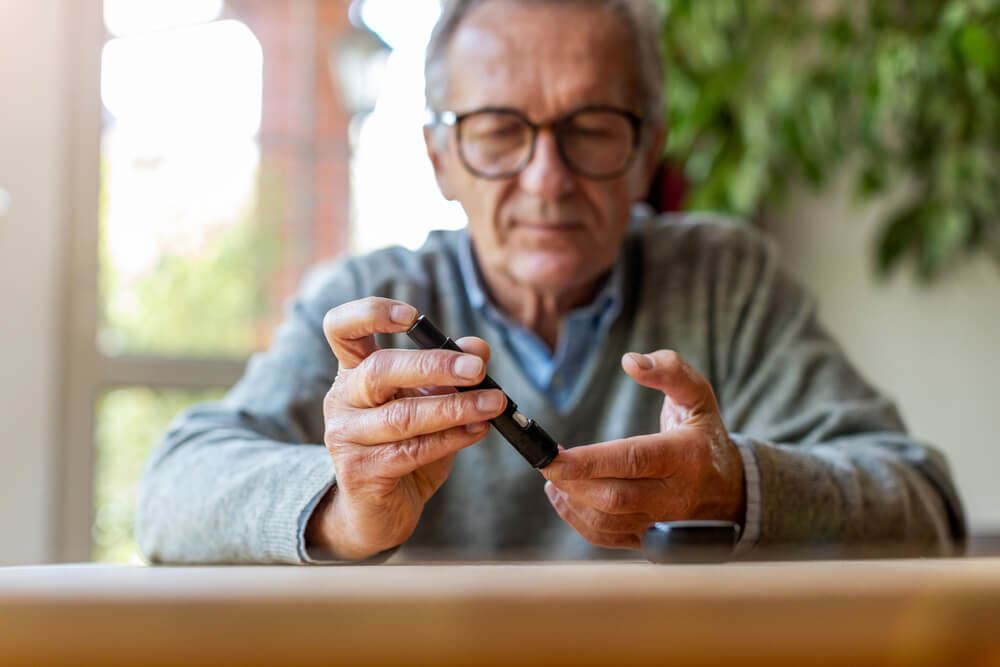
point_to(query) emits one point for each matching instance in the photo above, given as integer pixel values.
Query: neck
(539, 309)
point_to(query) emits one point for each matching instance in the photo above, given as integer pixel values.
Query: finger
(667, 371)
(605, 522)
(405, 457)
(470, 345)
(377, 379)
(597, 537)
(350, 327)
(652, 498)
(406, 418)
(355, 464)
(657, 455)
(476, 346)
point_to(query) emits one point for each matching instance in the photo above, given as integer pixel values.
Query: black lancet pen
(522, 432)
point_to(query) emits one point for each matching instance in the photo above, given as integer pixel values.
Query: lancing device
(664, 542)
(524, 433)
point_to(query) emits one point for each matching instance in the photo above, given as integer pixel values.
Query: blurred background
(170, 168)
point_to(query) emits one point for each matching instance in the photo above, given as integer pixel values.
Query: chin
(551, 271)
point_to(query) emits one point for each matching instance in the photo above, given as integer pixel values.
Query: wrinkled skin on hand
(394, 423)
(610, 492)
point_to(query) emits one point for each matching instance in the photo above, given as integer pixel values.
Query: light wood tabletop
(886, 612)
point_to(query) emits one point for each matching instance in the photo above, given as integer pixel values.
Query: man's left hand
(611, 492)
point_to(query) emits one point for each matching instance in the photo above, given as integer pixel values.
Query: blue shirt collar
(606, 304)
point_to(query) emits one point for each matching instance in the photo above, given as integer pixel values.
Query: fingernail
(468, 366)
(550, 491)
(489, 401)
(476, 427)
(402, 314)
(641, 360)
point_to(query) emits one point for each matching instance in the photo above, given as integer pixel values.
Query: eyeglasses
(595, 142)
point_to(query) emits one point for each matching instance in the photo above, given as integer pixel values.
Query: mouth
(548, 225)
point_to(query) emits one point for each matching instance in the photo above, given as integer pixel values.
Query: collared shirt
(583, 330)
(556, 374)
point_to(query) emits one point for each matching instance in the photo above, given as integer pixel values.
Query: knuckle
(637, 460)
(398, 418)
(348, 468)
(335, 429)
(406, 452)
(670, 358)
(341, 315)
(373, 369)
(369, 307)
(328, 321)
(610, 499)
(458, 407)
(427, 363)
(331, 319)
(329, 401)
(377, 363)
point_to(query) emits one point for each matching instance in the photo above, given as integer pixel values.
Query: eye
(596, 126)
(493, 127)
(502, 131)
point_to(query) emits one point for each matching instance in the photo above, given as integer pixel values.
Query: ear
(437, 151)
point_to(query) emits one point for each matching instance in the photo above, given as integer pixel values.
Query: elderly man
(683, 372)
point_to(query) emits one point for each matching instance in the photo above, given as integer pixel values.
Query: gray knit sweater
(235, 481)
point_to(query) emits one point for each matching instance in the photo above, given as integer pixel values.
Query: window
(225, 171)
(184, 255)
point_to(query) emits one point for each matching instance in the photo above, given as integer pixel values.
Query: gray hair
(640, 17)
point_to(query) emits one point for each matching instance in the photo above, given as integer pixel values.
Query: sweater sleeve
(235, 481)
(839, 476)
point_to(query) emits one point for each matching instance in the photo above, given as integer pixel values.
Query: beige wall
(935, 349)
(33, 139)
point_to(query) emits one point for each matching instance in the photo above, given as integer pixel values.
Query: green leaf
(978, 47)
(901, 234)
(945, 232)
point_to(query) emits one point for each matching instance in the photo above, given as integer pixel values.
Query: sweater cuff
(751, 472)
(282, 528)
(307, 511)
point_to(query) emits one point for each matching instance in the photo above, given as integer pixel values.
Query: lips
(547, 226)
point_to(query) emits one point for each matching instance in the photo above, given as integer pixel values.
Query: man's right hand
(394, 423)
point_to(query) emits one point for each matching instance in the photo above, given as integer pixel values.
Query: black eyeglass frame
(455, 119)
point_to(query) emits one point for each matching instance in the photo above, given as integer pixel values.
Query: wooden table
(903, 612)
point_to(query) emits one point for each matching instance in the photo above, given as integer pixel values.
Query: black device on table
(664, 542)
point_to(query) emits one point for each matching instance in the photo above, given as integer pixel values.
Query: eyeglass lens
(596, 143)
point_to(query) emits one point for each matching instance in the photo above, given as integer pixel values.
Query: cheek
(483, 201)
(611, 203)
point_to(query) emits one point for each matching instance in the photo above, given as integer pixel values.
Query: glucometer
(664, 542)
(522, 432)
(690, 541)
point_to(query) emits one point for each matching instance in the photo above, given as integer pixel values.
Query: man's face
(545, 228)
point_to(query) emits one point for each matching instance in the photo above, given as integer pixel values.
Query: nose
(546, 175)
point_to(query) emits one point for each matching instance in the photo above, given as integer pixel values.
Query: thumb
(667, 371)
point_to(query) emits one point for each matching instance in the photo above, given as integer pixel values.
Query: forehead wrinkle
(542, 59)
